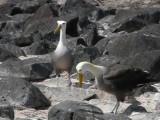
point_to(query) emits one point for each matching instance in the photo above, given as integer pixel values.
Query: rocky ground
(99, 31)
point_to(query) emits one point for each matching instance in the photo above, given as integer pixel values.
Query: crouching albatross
(119, 82)
(62, 58)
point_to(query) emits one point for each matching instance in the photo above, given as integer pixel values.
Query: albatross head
(82, 67)
(61, 25)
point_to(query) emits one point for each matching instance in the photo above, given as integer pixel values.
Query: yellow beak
(57, 29)
(81, 76)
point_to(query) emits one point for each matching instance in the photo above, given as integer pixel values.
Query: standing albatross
(119, 82)
(62, 58)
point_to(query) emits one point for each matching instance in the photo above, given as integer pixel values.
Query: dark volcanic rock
(71, 28)
(10, 28)
(84, 54)
(90, 53)
(17, 51)
(32, 69)
(20, 19)
(4, 17)
(25, 7)
(146, 61)
(86, 12)
(71, 110)
(79, 7)
(116, 117)
(2, 25)
(147, 88)
(106, 60)
(22, 40)
(40, 16)
(39, 48)
(4, 55)
(41, 2)
(6, 111)
(134, 108)
(130, 20)
(19, 92)
(6, 8)
(132, 44)
(101, 45)
(44, 22)
(91, 36)
(12, 33)
(151, 30)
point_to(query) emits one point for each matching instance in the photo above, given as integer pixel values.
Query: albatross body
(120, 82)
(62, 58)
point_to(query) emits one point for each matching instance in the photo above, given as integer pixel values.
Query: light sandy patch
(31, 113)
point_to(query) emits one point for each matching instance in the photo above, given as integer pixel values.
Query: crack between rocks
(71, 116)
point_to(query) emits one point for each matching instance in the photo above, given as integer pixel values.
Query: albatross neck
(96, 70)
(63, 40)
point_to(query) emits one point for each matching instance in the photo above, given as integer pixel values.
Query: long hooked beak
(81, 77)
(57, 29)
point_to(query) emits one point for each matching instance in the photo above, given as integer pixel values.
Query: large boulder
(132, 44)
(20, 19)
(86, 12)
(33, 69)
(82, 53)
(39, 48)
(4, 18)
(91, 36)
(148, 61)
(108, 116)
(46, 23)
(19, 92)
(40, 16)
(101, 45)
(151, 30)
(134, 108)
(5, 54)
(79, 7)
(130, 20)
(6, 8)
(15, 50)
(12, 33)
(58, 93)
(71, 110)
(10, 28)
(25, 7)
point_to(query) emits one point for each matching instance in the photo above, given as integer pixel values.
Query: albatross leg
(115, 108)
(69, 81)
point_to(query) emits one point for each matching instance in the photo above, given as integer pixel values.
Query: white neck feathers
(95, 69)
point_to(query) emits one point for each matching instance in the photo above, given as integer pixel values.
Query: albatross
(119, 82)
(62, 58)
